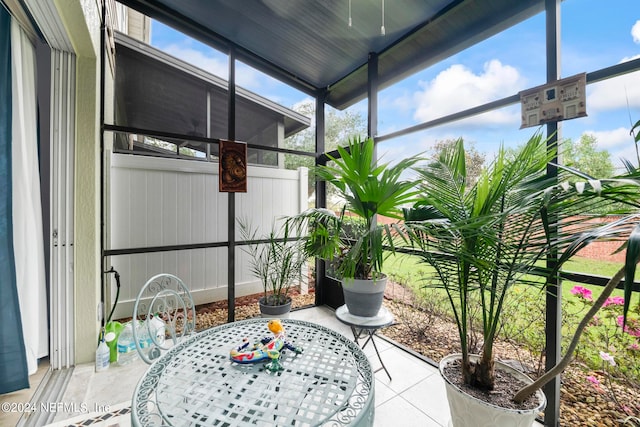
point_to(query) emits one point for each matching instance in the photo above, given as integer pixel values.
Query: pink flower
(607, 358)
(614, 301)
(634, 347)
(582, 292)
(593, 380)
(634, 332)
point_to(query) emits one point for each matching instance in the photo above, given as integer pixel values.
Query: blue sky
(595, 34)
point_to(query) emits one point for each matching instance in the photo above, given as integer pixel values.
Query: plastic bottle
(102, 356)
(127, 352)
(159, 327)
(143, 336)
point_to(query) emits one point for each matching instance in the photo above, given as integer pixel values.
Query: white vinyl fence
(158, 202)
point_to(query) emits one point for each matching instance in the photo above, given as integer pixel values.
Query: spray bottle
(102, 354)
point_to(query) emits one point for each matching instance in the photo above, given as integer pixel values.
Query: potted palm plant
(277, 260)
(483, 237)
(369, 189)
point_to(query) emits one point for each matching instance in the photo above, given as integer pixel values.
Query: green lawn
(408, 268)
(411, 270)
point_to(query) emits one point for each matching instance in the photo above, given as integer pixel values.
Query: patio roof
(310, 44)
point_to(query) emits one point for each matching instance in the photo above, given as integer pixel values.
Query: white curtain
(27, 211)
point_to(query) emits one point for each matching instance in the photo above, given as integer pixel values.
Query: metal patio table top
(196, 384)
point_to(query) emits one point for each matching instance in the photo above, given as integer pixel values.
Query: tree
(586, 157)
(340, 126)
(474, 159)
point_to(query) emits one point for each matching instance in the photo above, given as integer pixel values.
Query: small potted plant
(353, 240)
(483, 237)
(277, 261)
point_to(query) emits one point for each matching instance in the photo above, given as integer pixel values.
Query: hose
(117, 276)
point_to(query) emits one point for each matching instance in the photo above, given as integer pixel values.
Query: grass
(594, 267)
(408, 267)
(412, 271)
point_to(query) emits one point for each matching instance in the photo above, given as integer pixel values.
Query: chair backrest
(163, 313)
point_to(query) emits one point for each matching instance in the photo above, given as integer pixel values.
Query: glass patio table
(196, 384)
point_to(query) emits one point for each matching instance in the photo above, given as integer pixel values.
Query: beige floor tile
(399, 412)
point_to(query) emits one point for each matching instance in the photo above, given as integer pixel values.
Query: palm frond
(369, 189)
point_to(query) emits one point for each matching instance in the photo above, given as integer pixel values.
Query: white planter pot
(468, 411)
(364, 297)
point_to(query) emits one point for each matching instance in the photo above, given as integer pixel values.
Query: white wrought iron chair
(163, 313)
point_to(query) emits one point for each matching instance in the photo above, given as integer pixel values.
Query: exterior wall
(162, 202)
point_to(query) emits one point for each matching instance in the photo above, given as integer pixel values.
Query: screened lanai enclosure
(165, 211)
(124, 137)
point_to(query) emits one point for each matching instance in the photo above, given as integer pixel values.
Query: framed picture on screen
(233, 167)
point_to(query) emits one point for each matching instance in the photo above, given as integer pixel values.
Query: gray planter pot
(364, 297)
(468, 411)
(275, 311)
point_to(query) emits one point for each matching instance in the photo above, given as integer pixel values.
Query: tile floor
(414, 397)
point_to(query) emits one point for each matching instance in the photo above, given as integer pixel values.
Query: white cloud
(629, 153)
(458, 88)
(635, 32)
(618, 142)
(612, 140)
(615, 93)
(618, 92)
